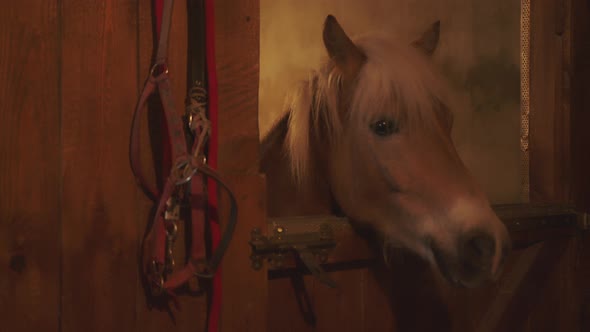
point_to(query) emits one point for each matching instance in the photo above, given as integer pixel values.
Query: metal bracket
(312, 248)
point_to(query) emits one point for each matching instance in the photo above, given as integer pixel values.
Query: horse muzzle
(478, 257)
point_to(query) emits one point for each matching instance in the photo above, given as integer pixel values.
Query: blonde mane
(397, 81)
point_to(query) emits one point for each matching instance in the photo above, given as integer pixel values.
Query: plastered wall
(478, 52)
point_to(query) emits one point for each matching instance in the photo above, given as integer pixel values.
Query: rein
(190, 180)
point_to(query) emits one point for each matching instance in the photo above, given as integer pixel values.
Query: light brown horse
(369, 135)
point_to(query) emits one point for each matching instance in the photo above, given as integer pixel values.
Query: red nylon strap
(158, 9)
(216, 302)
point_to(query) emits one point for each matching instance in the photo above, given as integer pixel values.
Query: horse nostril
(480, 247)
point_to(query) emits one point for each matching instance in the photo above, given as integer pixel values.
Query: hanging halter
(190, 178)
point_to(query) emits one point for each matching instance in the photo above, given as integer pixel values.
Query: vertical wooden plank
(30, 163)
(415, 294)
(237, 38)
(378, 316)
(563, 153)
(551, 152)
(580, 86)
(99, 220)
(237, 50)
(543, 73)
(580, 136)
(582, 275)
(244, 306)
(284, 311)
(560, 308)
(341, 309)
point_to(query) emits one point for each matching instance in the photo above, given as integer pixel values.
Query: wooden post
(237, 47)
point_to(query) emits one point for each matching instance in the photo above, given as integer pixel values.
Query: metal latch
(312, 248)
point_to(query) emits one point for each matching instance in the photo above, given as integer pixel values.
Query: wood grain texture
(287, 313)
(326, 309)
(244, 306)
(580, 106)
(99, 227)
(580, 118)
(30, 162)
(237, 52)
(341, 309)
(549, 139)
(237, 47)
(563, 137)
(377, 315)
(557, 307)
(521, 312)
(543, 73)
(518, 266)
(582, 275)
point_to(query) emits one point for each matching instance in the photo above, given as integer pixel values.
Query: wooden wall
(30, 159)
(71, 215)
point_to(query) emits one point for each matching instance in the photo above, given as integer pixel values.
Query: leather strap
(186, 167)
(162, 52)
(218, 243)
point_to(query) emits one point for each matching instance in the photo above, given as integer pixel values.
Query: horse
(368, 136)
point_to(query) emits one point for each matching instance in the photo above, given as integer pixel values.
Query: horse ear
(345, 54)
(429, 39)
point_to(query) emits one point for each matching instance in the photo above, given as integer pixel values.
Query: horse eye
(384, 127)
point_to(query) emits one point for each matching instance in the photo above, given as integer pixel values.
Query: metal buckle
(202, 269)
(186, 169)
(196, 104)
(158, 69)
(172, 210)
(156, 278)
(171, 233)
